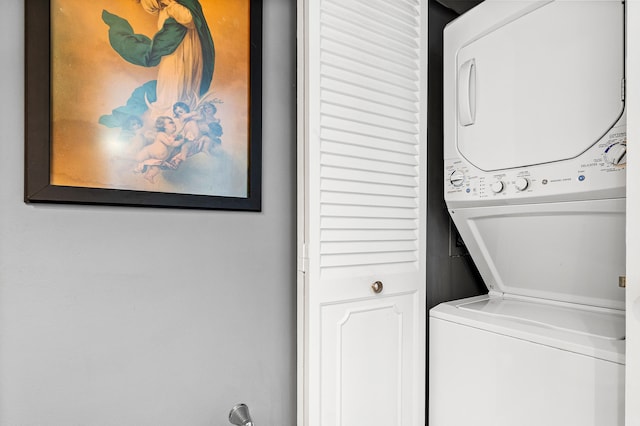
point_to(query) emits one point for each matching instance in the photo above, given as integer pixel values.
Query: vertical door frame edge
(301, 216)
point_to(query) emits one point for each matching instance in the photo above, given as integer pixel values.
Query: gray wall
(127, 316)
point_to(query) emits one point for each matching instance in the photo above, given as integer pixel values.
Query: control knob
(616, 154)
(456, 178)
(522, 183)
(497, 187)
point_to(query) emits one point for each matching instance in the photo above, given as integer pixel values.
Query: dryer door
(542, 86)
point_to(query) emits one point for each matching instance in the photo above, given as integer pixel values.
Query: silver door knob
(377, 287)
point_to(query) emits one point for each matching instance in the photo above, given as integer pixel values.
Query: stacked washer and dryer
(534, 154)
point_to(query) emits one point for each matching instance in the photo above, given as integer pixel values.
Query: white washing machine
(534, 154)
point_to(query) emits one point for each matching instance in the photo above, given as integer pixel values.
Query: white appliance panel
(572, 252)
(601, 335)
(593, 175)
(541, 87)
(513, 381)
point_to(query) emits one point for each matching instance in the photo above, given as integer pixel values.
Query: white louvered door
(362, 198)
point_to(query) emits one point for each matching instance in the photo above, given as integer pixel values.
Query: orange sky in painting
(90, 79)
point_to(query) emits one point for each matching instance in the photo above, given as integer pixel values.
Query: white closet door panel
(365, 149)
(365, 135)
(358, 336)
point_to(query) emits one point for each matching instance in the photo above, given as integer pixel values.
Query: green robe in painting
(141, 50)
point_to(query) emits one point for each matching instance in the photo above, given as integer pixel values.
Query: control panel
(601, 168)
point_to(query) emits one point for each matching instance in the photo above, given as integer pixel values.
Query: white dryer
(534, 154)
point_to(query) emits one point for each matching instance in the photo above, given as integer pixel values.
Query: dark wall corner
(449, 277)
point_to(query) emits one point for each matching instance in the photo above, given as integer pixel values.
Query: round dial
(456, 178)
(522, 183)
(616, 154)
(497, 187)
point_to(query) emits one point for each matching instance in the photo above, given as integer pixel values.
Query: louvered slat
(402, 66)
(369, 135)
(342, 141)
(358, 163)
(356, 188)
(354, 113)
(367, 25)
(359, 259)
(367, 235)
(337, 210)
(368, 129)
(366, 247)
(328, 197)
(341, 72)
(374, 106)
(366, 93)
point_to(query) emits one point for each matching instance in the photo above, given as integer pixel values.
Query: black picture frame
(38, 129)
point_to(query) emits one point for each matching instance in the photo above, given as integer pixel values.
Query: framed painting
(144, 103)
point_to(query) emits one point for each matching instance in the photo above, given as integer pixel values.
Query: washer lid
(587, 331)
(543, 86)
(591, 323)
(570, 252)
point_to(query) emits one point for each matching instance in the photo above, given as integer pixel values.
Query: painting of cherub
(151, 95)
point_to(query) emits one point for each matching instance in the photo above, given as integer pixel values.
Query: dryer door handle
(467, 93)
